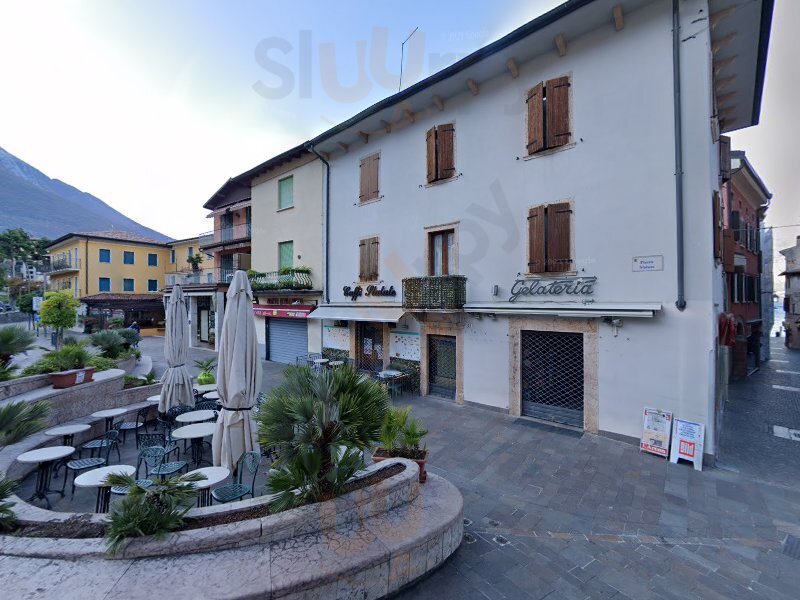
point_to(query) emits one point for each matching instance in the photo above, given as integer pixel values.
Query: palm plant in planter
(401, 435)
(206, 367)
(319, 424)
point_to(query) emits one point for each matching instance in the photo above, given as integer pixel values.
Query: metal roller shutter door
(288, 339)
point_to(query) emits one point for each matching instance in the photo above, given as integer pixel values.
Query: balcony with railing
(219, 237)
(62, 265)
(285, 279)
(445, 292)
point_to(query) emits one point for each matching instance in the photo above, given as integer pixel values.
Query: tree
(59, 310)
(25, 302)
(17, 243)
(319, 424)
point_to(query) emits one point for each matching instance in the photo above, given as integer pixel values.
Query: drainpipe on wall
(326, 228)
(680, 303)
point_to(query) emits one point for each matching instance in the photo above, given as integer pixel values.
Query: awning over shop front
(566, 310)
(379, 314)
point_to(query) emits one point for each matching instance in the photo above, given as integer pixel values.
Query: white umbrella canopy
(176, 382)
(238, 376)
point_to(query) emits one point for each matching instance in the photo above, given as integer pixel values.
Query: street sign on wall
(655, 432)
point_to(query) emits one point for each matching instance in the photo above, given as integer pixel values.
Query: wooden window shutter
(536, 240)
(430, 140)
(373, 258)
(725, 157)
(536, 119)
(727, 250)
(557, 94)
(445, 146)
(363, 189)
(717, 212)
(363, 261)
(374, 189)
(559, 254)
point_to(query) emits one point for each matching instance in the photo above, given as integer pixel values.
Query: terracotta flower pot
(65, 379)
(423, 474)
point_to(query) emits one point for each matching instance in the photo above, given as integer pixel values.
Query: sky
(153, 105)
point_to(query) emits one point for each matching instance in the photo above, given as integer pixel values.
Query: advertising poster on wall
(687, 443)
(655, 432)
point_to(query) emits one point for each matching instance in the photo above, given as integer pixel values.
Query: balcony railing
(281, 280)
(226, 234)
(445, 292)
(62, 264)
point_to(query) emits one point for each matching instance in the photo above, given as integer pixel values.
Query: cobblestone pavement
(748, 443)
(555, 514)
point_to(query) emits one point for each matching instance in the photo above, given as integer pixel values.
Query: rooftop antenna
(402, 52)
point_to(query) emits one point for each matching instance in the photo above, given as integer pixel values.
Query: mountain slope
(50, 208)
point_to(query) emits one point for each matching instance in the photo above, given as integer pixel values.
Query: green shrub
(318, 424)
(63, 359)
(401, 434)
(130, 353)
(130, 337)
(109, 342)
(150, 378)
(132, 381)
(15, 340)
(155, 511)
(101, 363)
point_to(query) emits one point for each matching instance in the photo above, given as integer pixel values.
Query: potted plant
(206, 367)
(401, 435)
(195, 261)
(71, 362)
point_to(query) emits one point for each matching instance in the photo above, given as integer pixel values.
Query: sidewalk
(767, 399)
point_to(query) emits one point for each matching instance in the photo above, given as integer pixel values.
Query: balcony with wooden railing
(444, 292)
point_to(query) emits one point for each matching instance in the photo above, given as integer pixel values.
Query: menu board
(655, 432)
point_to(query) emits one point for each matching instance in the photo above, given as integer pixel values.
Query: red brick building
(745, 200)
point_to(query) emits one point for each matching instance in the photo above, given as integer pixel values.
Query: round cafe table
(67, 432)
(389, 373)
(44, 458)
(195, 432)
(96, 478)
(206, 387)
(195, 416)
(336, 363)
(154, 399)
(214, 395)
(109, 415)
(213, 476)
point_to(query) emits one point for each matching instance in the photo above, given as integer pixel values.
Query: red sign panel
(282, 311)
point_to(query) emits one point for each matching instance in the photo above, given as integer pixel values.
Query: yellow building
(115, 273)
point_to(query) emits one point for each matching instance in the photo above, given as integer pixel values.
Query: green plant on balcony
(444, 292)
(195, 261)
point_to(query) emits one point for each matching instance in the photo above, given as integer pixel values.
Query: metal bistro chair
(110, 439)
(236, 491)
(153, 458)
(171, 414)
(148, 440)
(122, 490)
(140, 422)
(395, 385)
(84, 464)
(207, 405)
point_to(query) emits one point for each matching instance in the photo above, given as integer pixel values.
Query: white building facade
(509, 226)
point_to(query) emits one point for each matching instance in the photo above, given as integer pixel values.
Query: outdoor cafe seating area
(71, 477)
(396, 381)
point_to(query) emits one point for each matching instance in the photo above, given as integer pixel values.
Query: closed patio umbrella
(238, 376)
(176, 382)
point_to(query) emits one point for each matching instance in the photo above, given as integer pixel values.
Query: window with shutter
(368, 257)
(440, 155)
(548, 114)
(550, 238)
(369, 188)
(725, 157)
(559, 256)
(735, 224)
(717, 224)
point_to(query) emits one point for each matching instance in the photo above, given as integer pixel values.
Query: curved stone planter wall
(127, 365)
(368, 543)
(23, 385)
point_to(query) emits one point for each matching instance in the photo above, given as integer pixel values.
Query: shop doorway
(442, 365)
(551, 376)
(369, 346)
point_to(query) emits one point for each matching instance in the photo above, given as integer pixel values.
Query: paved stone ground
(748, 444)
(552, 514)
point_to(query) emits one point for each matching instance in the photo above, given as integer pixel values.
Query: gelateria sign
(372, 291)
(552, 286)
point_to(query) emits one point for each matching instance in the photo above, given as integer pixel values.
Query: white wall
(620, 178)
